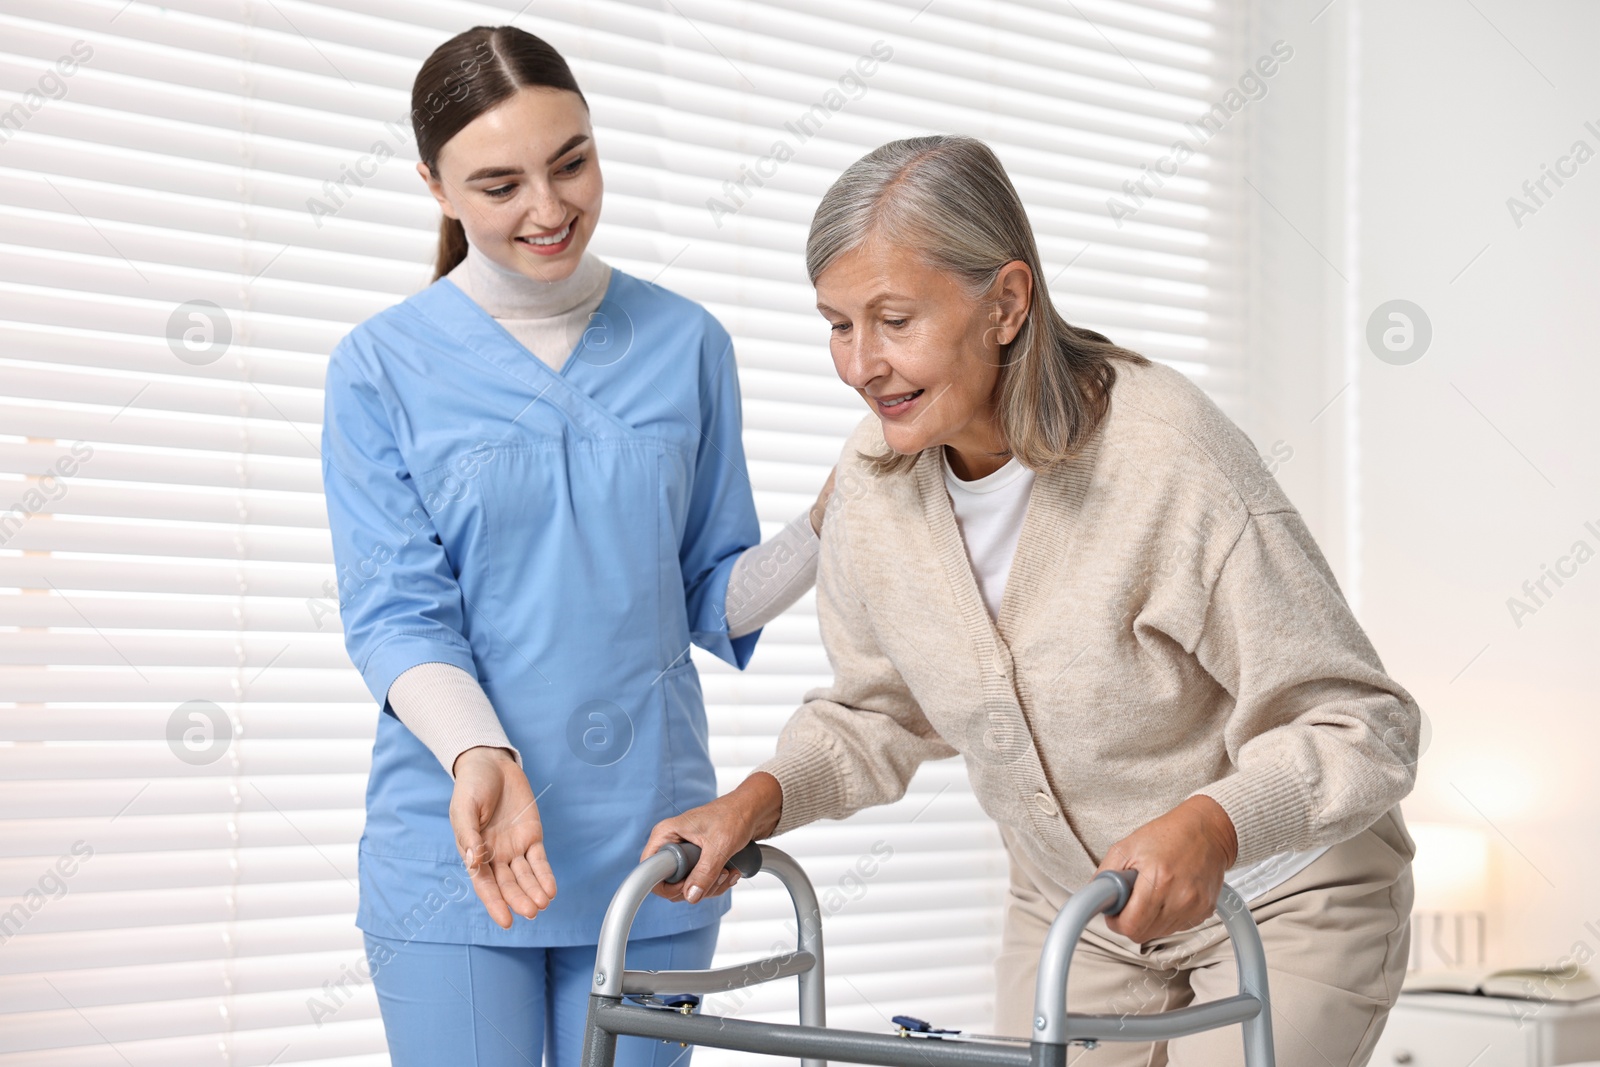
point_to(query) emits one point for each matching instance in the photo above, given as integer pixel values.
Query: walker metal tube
(1163, 1026)
(1108, 892)
(812, 1042)
(721, 979)
(808, 916)
(1054, 1027)
(672, 864)
(1251, 960)
(612, 950)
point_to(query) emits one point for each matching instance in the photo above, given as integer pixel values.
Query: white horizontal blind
(183, 744)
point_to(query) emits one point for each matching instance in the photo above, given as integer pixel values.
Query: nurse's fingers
(529, 884)
(488, 890)
(513, 894)
(469, 841)
(539, 863)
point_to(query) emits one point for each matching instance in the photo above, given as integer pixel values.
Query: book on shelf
(1561, 983)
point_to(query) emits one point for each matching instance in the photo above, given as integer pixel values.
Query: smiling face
(923, 355)
(523, 179)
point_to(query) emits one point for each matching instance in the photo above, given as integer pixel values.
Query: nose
(859, 358)
(546, 209)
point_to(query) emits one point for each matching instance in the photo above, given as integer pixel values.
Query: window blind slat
(186, 558)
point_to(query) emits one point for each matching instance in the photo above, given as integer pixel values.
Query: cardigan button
(1045, 802)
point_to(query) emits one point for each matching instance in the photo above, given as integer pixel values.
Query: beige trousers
(1336, 937)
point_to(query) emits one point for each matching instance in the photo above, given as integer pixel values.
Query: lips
(545, 240)
(891, 405)
(898, 399)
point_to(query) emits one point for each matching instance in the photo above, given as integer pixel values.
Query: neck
(510, 294)
(970, 466)
(972, 453)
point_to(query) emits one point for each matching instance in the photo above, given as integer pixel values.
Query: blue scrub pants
(485, 1006)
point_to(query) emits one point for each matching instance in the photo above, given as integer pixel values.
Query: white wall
(1438, 487)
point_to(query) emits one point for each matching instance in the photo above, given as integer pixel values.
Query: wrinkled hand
(720, 828)
(819, 509)
(1181, 858)
(499, 835)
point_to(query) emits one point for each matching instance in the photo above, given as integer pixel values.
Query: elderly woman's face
(922, 354)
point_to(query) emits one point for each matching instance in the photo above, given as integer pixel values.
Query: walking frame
(670, 996)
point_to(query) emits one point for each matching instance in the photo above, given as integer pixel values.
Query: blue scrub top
(563, 537)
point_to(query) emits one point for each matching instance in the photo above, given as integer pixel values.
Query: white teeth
(897, 401)
(557, 239)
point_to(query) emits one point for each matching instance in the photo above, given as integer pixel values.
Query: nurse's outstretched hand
(499, 835)
(1181, 857)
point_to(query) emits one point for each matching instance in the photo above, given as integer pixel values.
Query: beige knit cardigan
(1169, 627)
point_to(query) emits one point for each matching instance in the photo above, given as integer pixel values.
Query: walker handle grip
(747, 861)
(1124, 879)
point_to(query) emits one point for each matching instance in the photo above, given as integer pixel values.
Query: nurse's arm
(399, 602)
(449, 712)
(769, 578)
(400, 607)
(720, 522)
(853, 744)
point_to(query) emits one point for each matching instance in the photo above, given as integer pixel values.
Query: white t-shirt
(989, 513)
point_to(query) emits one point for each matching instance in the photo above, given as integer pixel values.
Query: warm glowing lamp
(1451, 875)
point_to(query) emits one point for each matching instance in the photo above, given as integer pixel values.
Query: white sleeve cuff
(448, 711)
(770, 577)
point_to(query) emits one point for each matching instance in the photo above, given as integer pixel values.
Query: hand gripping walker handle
(1107, 893)
(1124, 879)
(747, 861)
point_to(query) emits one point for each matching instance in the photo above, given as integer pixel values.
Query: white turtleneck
(546, 317)
(444, 705)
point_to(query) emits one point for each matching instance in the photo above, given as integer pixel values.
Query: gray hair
(947, 198)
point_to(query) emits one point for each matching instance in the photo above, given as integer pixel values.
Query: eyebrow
(881, 298)
(507, 172)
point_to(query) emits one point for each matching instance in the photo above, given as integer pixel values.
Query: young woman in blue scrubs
(538, 501)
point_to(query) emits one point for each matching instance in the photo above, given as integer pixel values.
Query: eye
(895, 322)
(836, 327)
(572, 168)
(500, 192)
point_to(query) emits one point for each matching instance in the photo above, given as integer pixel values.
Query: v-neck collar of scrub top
(464, 318)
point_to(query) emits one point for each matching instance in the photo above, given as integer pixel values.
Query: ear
(1015, 296)
(436, 187)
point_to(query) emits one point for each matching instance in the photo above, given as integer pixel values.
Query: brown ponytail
(464, 77)
(452, 246)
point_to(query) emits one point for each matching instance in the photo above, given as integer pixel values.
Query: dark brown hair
(947, 198)
(464, 77)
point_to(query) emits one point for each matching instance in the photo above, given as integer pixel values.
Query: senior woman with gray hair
(1063, 562)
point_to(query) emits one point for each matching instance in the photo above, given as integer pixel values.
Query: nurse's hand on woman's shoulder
(1181, 857)
(720, 828)
(821, 506)
(499, 835)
